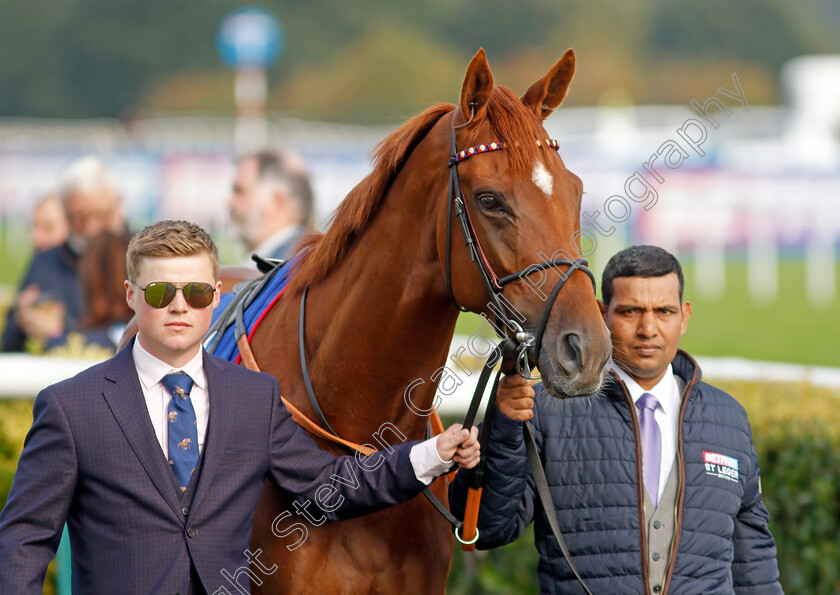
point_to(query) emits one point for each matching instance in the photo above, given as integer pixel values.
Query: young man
(655, 480)
(156, 458)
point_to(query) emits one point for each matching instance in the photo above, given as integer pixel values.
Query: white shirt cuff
(426, 461)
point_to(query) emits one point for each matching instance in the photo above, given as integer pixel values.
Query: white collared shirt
(667, 392)
(151, 370)
(424, 458)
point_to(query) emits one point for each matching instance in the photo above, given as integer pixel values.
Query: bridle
(527, 345)
(518, 352)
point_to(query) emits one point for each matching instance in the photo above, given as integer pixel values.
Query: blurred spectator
(271, 203)
(102, 271)
(49, 223)
(50, 303)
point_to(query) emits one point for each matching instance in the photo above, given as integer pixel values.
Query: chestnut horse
(380, 315)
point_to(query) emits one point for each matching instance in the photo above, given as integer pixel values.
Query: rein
(249, 361)
(245, 294)
(433, 422)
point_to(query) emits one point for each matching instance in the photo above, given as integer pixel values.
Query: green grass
(15, 253)
(788, 329)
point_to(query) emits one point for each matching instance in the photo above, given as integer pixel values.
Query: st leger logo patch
(721, 466)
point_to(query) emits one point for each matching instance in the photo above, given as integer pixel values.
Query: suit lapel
(222, 401)
(124, 396)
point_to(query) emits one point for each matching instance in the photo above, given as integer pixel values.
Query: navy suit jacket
(92, 459)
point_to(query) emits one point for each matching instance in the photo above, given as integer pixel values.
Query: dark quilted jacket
(589, 452)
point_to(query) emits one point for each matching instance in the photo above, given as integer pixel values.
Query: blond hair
(168, 239)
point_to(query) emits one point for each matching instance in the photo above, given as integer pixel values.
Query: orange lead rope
(470, 534)
(250, 362)
(246, 354)
(313, 428)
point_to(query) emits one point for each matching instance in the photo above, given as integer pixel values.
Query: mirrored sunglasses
(160, 294)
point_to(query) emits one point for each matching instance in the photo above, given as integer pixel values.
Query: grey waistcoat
(660, 523)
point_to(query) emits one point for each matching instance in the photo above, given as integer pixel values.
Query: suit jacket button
(185, 511)
(191, 532)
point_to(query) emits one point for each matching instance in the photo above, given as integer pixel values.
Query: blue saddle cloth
(254, 305)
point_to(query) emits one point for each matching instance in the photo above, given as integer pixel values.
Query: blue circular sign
(249, 37)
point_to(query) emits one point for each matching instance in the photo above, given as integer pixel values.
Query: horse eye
(489, 202)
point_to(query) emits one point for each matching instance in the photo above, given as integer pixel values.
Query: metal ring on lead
(523, 369)
(458, 537)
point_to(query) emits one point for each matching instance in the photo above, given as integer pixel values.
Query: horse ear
(478, 84)
(549, 92)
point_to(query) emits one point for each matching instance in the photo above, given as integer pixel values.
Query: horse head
(522, 208)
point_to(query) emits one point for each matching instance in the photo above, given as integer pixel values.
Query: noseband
(527, 345)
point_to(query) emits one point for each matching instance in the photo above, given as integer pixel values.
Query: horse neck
(383, 318)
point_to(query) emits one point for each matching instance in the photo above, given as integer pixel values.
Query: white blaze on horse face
(542, 179)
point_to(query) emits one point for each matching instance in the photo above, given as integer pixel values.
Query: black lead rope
(476, 479)
(477, 475)
(544, 494)
(434, 500)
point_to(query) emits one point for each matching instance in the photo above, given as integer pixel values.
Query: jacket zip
(637, 437)
(675, 538)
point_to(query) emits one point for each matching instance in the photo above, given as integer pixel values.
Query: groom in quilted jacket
(655, 481)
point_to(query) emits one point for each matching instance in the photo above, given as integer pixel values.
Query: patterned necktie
(183, 431)
(651, 444)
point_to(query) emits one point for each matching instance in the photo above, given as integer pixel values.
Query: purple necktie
(651, 444)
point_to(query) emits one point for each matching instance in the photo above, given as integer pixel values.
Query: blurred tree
(100, 58)
(70, 58)
(387, 76)
(766, 32)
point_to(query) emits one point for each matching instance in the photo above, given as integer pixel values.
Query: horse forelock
(516, 126)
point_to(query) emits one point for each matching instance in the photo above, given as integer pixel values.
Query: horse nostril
(569, 354)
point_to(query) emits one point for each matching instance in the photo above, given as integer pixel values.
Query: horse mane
(323, 251)
(509, 122)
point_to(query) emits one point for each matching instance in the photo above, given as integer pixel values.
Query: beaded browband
(461, 155)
